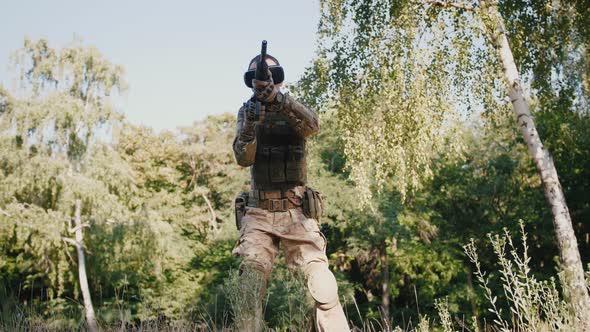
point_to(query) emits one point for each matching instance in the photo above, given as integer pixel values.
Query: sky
(183, 60)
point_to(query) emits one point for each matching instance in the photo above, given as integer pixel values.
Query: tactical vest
(280, 155)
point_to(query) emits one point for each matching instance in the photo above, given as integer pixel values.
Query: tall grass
(534, 305)
(526, 304)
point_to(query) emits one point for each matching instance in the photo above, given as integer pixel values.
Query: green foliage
(393, 71)
(568, 138)
(416, 156)
(151, 200)
(401, 73)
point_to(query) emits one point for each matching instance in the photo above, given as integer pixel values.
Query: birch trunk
(213, 218)
(571, 262)
(88, 308)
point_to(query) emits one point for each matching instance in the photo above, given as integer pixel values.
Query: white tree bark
(213, 218)
(571, 262)
(78, 230)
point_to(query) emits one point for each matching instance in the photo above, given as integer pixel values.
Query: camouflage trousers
(305, 250)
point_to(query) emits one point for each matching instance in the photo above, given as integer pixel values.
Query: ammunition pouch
(241, 202)
(277, 164)
(295, 167)
(313, 204)
(280, 159)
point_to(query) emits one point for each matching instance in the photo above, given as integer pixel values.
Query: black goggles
(278, 75)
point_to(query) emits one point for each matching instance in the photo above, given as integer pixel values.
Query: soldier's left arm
(304, 120)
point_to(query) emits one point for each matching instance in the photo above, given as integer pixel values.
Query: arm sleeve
(245, 142)
(305, 121)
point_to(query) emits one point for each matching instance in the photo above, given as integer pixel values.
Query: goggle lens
(278, 75)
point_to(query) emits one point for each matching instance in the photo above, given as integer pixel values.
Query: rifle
(262, 75)
(262, 66)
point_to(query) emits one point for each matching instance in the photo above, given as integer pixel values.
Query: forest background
(419, 156)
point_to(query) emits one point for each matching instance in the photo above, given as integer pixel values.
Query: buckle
(277, 205)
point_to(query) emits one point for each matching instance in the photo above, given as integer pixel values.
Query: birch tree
(566, 239)
(397, 71)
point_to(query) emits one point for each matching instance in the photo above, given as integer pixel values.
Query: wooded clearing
(454, 154)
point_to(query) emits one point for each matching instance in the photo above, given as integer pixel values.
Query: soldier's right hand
(253, 112)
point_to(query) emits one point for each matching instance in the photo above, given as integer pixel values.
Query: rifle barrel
(262, 67)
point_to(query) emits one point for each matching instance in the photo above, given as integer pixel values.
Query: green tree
(368, 45)
(68, 103)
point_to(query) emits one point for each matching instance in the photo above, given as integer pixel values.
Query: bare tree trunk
(385, 300)
(213, 218)
(88, 308)
(566, 239)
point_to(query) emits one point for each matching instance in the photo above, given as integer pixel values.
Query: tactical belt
(275, 200)
(269, 194)
(276, 205)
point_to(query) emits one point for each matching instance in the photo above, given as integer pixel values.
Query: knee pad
(322, 285)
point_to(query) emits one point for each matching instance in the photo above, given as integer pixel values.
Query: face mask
(278, 75)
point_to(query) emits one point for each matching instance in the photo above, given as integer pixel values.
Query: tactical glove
(253, 113)
(265, 91)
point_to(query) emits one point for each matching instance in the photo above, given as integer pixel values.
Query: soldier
(281, 210)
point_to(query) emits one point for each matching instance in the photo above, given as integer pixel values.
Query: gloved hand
(265, 91)
(253, 113)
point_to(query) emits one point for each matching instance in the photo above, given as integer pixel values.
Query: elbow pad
(304, 120)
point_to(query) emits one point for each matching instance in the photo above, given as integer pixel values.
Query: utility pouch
(261, 165)
(295, 169)
(277, 164)
(313, 205)
(240, 208)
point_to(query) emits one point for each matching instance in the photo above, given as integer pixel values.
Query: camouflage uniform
(275, 151)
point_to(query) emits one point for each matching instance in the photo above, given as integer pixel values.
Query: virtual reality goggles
(278, 75)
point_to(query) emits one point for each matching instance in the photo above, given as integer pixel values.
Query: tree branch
(67, 252)
(446, 4)
(71, 241)
(73, 230)
(213, 218)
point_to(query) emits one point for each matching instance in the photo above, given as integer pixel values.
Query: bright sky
(183, 59)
